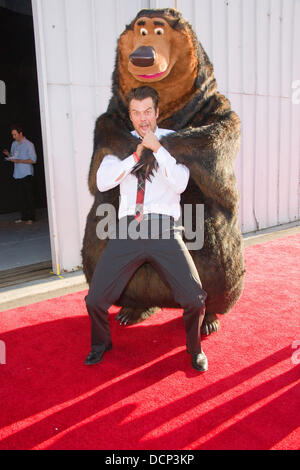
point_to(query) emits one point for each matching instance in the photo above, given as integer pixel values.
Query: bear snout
(144, 56)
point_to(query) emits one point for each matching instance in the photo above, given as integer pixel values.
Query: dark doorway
(20, 104)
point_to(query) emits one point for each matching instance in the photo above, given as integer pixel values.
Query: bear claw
(209, 328)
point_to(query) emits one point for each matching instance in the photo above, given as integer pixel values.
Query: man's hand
(6, 152)
(151, 142)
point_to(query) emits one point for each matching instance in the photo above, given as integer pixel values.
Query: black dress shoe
(96, 354)
(199, 361)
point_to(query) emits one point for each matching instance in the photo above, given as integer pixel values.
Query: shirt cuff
(128, 163)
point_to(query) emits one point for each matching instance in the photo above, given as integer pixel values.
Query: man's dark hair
(142, 93)
(17, 127)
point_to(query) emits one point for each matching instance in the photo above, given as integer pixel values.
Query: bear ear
(174, 18)
(177, 23)
(129, 27)
(174, 13)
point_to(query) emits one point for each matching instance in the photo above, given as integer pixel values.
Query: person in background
(23, 155)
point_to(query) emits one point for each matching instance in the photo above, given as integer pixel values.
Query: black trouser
(172, 260)
(26, 197)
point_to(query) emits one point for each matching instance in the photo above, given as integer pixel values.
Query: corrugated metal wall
(253, 46)
(76, 42)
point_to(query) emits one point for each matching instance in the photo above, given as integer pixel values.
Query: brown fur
(206, 140)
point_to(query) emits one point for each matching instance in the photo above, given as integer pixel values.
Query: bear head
(160, 49)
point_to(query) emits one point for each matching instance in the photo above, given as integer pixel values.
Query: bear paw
(210, 325)
(130, 316)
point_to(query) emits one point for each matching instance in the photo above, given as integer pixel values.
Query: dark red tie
(139, 208)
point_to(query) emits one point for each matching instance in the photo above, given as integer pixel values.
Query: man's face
(143, 115)
(16, 135)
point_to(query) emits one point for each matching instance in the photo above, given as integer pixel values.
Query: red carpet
(145, 395)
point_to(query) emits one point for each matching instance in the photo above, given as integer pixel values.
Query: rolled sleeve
(32, 153)
(12, 149)
(111, 169)
(176, 174)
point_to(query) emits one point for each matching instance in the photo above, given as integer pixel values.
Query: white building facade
(253, 45)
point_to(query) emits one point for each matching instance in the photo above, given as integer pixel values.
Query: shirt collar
(22, 142)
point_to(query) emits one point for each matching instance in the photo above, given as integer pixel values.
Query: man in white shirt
(142, 201)
(23, 155)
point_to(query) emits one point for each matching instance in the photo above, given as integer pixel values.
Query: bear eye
(143, 31)
(159, 31)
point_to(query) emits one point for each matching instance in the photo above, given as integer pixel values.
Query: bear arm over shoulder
(209, 152)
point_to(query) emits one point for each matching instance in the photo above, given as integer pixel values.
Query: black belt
(151, 216)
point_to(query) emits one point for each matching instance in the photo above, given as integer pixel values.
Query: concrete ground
(54, 286)
(21, 244)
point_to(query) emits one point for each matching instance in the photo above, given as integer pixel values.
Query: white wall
(75, 42)
(253, 46)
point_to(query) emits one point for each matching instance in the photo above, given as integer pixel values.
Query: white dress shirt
(162, 194)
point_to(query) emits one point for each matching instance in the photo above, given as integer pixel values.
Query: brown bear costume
(159, 48)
